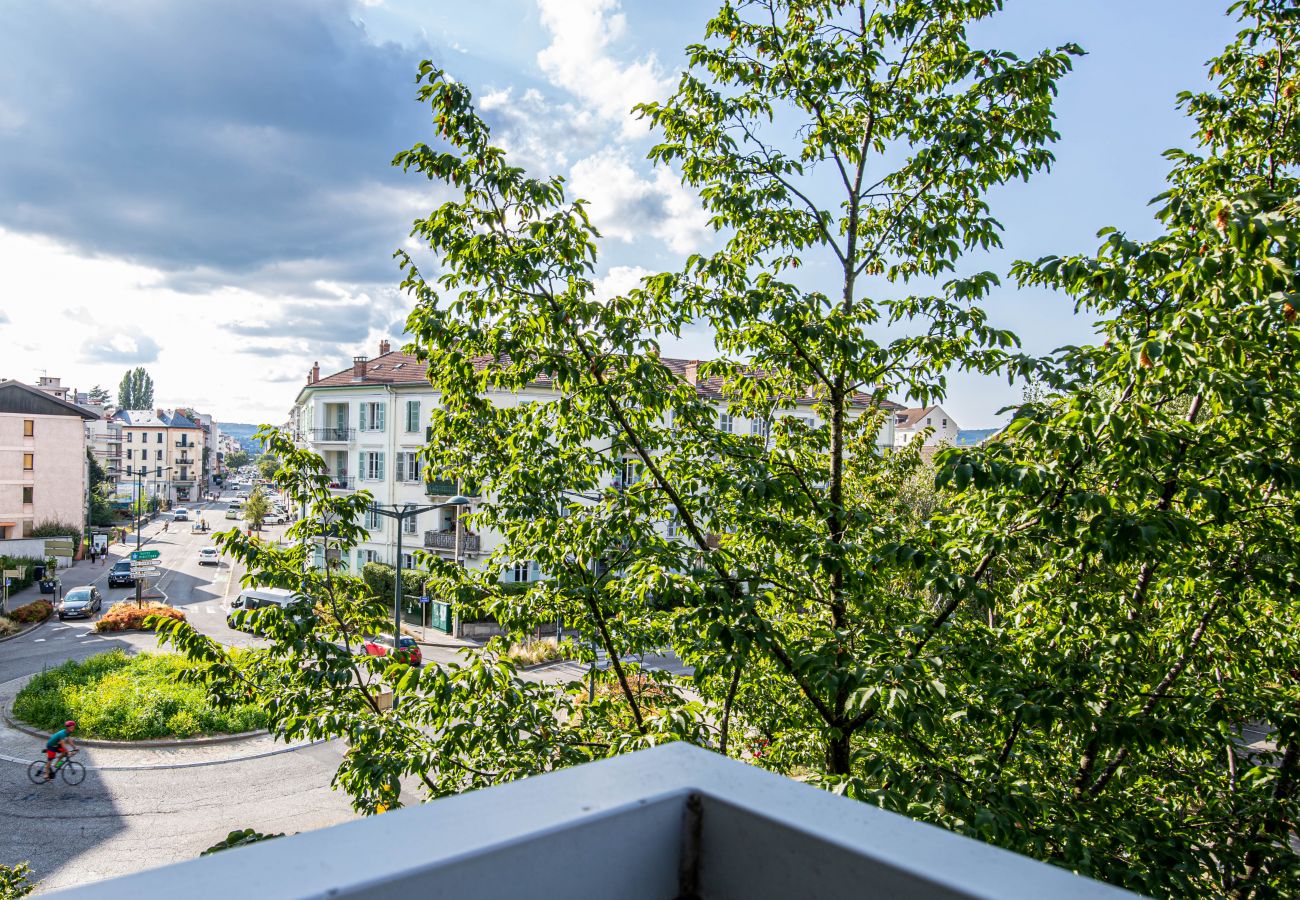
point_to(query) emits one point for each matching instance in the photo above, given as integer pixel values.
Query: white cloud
(578, 59)
(627, 207)
(619, 280)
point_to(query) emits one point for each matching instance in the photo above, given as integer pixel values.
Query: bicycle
(73, 771)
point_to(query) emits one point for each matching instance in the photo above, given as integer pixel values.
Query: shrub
(130, 698)
(8, 626)
(37, 611)
(534, 652)
(25, 564)
(126, 615)
(54, 528)
(15, 881)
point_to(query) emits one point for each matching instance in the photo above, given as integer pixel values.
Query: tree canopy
(1052, 642)
(135, 390)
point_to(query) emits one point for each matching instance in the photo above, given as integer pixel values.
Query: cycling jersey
(57, 738)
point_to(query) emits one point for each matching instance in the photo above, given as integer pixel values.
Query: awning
(8, 524)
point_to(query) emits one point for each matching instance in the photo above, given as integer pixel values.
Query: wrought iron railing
(446, 540)
(332, 435)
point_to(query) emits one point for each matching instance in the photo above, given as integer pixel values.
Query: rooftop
(670, 823)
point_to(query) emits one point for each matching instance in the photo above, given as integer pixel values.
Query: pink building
(42, 459)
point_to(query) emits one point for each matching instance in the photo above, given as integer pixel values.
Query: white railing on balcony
(446, 540)
(671, 822)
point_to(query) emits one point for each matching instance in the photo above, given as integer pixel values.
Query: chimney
(383, 346)
(358, 367)
(314, 376)
(693, 372)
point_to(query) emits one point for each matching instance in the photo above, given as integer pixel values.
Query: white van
(259, 597)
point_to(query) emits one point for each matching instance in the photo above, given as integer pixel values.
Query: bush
(53, 528)
(37, 611)
(26, 564)
(535, 652)
(130, 698)
(15, 881)
(8, 626)
(127, 616)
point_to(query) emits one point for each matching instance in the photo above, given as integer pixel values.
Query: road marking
(37, 640)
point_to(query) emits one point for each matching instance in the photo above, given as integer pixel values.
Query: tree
(1054, 652)
(15, 881)
(267, 464)
(100, 396)
(236, 459)
(256, 509)
(136, 390)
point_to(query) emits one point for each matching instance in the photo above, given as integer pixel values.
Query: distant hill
(969, 437)
(244, 434)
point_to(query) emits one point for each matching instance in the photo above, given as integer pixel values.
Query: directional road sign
(144, 571)
(144, 554)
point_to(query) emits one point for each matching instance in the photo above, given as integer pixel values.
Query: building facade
(908, 423)
(369, 423)
(162, 455)
(43, 469)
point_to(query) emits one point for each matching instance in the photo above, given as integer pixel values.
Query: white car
(274, 518)
(180, 514)
(209, 556)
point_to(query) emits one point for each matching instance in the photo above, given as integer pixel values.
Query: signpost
(144, 554)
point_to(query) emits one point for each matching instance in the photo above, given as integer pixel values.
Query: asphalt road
(123, 821)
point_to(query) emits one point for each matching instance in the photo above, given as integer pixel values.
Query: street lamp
(400, 513)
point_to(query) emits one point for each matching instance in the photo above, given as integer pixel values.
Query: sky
(204, 188)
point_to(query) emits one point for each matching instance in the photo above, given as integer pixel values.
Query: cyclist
(59, 744)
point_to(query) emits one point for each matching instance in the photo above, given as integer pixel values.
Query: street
(122, 820)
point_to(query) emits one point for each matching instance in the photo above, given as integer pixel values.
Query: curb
(158, 744)
(28, 630)
(187, 765)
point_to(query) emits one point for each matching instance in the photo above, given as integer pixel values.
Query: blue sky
(204, 187)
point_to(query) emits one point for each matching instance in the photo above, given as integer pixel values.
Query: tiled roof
(908, 418)
(398, 368)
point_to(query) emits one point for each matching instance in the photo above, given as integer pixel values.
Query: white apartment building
(908, 423)
(163, 453)
(368, 424)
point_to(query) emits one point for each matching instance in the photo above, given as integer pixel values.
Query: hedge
(114, 696)
(127, 615)
(26, 563)
(36, 611)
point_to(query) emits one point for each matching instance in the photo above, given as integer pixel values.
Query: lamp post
(400, 513)
(139, 501)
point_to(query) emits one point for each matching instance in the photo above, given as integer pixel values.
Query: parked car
(180, 514)
(80, 603)
(232, 512)
(209, 556)
(236, 504)
(120, 575)
(408, 651)
(274, 518)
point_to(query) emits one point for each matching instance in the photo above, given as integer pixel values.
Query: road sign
(144, 554)
(424, 599)
(143, 571)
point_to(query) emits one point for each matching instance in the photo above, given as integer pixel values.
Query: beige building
(43, 473)
(162, 453)
(940, 427)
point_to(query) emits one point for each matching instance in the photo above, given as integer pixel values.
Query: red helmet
(69, 724)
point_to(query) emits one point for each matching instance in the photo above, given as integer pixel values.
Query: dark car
(80, 603)
(120, 574)
(408, 651)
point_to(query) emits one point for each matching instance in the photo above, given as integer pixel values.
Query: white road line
(38, 640)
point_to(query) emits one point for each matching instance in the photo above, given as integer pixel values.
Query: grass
(8, 626)
(116, 697)
(535, 652)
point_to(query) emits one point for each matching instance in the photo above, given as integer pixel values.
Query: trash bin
(38, 573)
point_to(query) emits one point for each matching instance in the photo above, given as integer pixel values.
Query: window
(630, 472)
(372, 466)
(372, 417)
(724, 423)
(929, 421)
(524, 571)
(760, 427)
(944, 422)
(372, 522)
(29, 427)
(28, 491)
(411, 525)
(674, 526)
(370, 556)
(29, 462)
(408, 561)
(157, 454)
(158, 472)
(160, 437)
(408, 466)
(128, 453)
(412, 415)
(130, 437)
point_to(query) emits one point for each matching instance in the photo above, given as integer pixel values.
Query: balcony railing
(672, 821)
(341, 482)
(333, 435)
(446, 540)
(184, 443)
(440, 487)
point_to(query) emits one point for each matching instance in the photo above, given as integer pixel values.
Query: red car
(408, 651)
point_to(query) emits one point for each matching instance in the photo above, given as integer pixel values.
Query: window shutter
(401, 467)
(379, 457)
(380, 409)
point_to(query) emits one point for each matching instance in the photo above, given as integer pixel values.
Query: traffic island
(127, 615)
(25, 618)
(143, 698)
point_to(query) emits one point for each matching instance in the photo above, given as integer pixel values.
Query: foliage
(532, 653)
(101, 509)
(240, 838)
(128, 616)
(8, 626)
(114, 696)
(267, 464)
(236, 459)
(1054, 649)
(379, 577)
(15, 881)
(100, 395)
(36, 611)
(256, 509)
(135, 390)
(55, 528)
(26, 564)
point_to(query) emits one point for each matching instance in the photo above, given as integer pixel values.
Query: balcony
(446, 540)
(341, 482)
(332, 435)
(440, 487)
(670, 822)
(184, 443)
